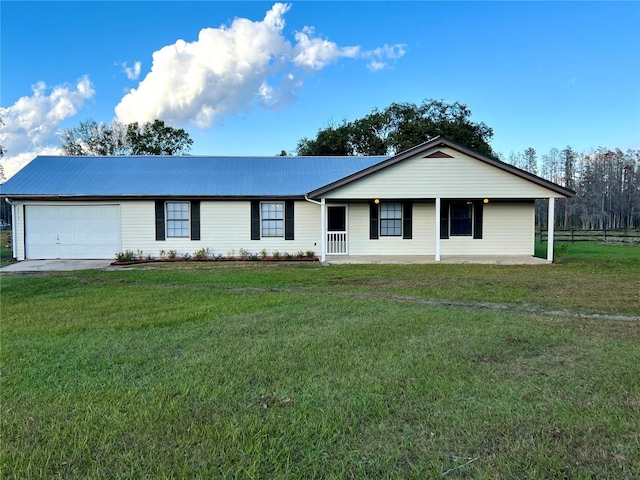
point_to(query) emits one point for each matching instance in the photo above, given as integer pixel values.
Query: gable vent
(438, 154)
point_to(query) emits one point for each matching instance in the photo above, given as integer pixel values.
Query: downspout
(323, 224)
(14, 245)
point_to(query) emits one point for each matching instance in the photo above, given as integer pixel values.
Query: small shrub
(244, 254)
(149, 257)
(310, 254)
(231, 253)
(125, 256)
(299, 254)
(288, 256)
(163, 254)
(253, 257)
(263, 253)
(186, 256)
(201, 254)
(139, 254)
(172, 254)
(275, 254)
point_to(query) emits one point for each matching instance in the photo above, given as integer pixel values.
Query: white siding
(508, 229)
(225, 226)
(458, 177)
(421, 243)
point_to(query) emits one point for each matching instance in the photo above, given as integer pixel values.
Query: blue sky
(252, 78)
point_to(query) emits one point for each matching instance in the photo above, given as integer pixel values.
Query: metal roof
(111, 176)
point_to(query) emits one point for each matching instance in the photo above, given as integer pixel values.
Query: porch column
(323, 230)
(437, 229)
(550, 228)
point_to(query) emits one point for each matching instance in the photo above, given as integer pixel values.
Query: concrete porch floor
(426, 259)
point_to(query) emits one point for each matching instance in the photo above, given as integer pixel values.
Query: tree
(531, 160)
(399, 127)
(157, 139)
(151, 138)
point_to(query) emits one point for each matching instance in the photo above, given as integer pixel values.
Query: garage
(74, 232)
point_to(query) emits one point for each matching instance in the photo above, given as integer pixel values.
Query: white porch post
(323, 229)
(550, 228)
(438, 229)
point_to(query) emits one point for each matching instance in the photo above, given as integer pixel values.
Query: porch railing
(336, 243)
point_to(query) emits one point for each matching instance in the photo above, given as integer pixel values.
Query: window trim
(183, 221)
(397, 221)
(281, 220)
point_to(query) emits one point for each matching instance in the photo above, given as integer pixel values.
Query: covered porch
(430, 259)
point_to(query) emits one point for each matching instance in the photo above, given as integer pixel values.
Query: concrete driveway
(54, 265)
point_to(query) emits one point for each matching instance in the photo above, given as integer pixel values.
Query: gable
(442, 169)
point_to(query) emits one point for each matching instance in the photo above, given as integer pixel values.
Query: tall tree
(399, 127)
(531, 160)
(151, 138)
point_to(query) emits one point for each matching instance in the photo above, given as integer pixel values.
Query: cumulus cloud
(235, 67)
(30, 124)
(132, 72)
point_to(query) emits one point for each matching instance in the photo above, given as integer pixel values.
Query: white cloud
(233, 68)
(30, 124)
(132, 72)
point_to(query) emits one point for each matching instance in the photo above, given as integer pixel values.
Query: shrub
(263, 253)
(125, 256)
(163, 254)
(275, 254)
(139, 254)
(299, 254)
(311, 254)
(288, 256)
(172, 254)
(231, 253)
(201, 254)
(186, 255)
(244, 254)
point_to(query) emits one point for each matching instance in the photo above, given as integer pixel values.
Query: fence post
(604, 230)
(571, 234)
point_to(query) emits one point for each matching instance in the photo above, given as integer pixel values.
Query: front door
(337, 230)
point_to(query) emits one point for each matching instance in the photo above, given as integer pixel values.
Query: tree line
(606, 182)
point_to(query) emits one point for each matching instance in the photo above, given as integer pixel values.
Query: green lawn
(6, 255)
(253, 370)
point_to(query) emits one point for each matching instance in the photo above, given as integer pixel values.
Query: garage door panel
(88, 231)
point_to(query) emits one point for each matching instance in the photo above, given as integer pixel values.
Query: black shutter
(288, 220)
(255, 220)
(477, 219)
(407, 212)
(373, 221)
(444, 219)
(195, 220)
(160, 235)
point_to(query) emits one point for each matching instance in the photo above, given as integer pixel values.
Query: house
(435, 200)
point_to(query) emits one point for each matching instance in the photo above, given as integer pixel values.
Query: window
(391, 219)
(272, 219)
(177, 219)
(461, 215)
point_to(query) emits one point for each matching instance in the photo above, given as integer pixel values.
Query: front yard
(300, 371)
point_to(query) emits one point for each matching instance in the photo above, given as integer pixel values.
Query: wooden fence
(606, 236)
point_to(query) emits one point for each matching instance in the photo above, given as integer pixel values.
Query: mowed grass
(301, 371)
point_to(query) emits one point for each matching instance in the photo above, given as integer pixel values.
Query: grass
(6, 255)
(299, 371)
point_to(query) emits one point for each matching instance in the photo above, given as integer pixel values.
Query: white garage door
(83, 231)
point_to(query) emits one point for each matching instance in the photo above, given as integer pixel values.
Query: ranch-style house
(435, 200)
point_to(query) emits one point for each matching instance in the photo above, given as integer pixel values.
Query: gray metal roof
(180, 176)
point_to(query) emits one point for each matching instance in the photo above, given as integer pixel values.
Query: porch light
(486, 200)
(376, 201)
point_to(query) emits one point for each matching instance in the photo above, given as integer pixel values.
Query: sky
(253, 78)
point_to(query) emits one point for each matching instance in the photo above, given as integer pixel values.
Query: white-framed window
(272, 219)
(177, 219)
(391, 219)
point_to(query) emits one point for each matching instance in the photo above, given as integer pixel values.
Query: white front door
(75, 232)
